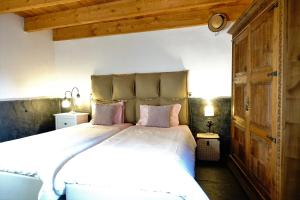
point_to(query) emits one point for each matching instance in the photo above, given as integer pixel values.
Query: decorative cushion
(104, 114)
(174, 85)
(184, 112)
(147, 85)
(102, 87)
(123, 86)
(152, 102)
(155, 116)
(119, 113)
(118, 116)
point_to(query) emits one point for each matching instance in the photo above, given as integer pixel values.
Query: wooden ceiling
(72, 19)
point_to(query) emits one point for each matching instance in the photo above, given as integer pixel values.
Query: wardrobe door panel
(239, 143)
(262, 42)
(261, 162)
(241, 51)
(241, 64)
(263, 100)
(261, 105)
(239, 101)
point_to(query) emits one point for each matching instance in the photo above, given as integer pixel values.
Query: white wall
(31, 65)
(26, 60)
(206, 55)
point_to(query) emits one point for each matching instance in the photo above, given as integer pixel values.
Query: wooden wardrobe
(265, 144)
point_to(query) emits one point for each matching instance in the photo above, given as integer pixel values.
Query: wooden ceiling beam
(8, 6)
(142, 24)
(113, 11)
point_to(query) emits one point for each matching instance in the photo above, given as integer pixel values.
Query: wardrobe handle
(271, 139)
(247, 104)
(272, 74)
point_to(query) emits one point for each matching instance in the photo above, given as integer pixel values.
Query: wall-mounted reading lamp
(209, 112)
(75, 101)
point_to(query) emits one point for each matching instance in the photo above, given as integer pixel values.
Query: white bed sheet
(42, 155)
(138, 159)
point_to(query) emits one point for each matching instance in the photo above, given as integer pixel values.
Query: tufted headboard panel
(149, 88)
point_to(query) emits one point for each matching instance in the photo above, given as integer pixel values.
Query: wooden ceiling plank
(8, 6)
(150, 23)
(113, 11)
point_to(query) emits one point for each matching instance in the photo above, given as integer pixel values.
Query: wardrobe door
(263, 100)
(240, 102)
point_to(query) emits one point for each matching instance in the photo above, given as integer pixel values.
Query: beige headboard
(150, 89)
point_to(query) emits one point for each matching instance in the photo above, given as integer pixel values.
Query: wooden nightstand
(63, 120)
(208, 146)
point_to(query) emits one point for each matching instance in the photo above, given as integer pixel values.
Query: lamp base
(209, 125)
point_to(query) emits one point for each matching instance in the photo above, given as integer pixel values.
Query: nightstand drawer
(208, 149)
(65, 122)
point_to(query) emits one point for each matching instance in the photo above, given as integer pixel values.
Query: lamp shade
(78, 101)
(209, 111)
(66, 103)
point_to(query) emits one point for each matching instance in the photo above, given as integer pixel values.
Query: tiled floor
(218, 182)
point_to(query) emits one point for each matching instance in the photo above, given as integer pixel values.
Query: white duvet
(42, 155)
(138, 158)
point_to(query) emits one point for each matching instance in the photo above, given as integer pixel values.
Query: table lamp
(75, 101)
(209, 112)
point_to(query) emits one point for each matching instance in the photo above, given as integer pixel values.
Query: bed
(28, 165)
(139, 162)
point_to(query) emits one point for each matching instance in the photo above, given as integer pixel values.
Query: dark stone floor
(218, 182)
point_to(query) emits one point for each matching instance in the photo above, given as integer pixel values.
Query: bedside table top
(71, 114)
(208, 135)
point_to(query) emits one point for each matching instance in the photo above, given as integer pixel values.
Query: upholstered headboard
(150, 89)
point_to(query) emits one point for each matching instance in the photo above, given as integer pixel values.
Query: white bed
(137, 163)
(27, 164)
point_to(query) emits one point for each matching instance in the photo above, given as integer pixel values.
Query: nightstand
(208, 146)
(63, 120)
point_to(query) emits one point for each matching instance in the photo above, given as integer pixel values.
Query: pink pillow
(104, 114)
(143, 115)
(156, 116)
(160, 116)
(174, 119)
(118, 114)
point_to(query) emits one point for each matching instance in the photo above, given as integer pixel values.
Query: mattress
(41, 156)
(140, 161)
